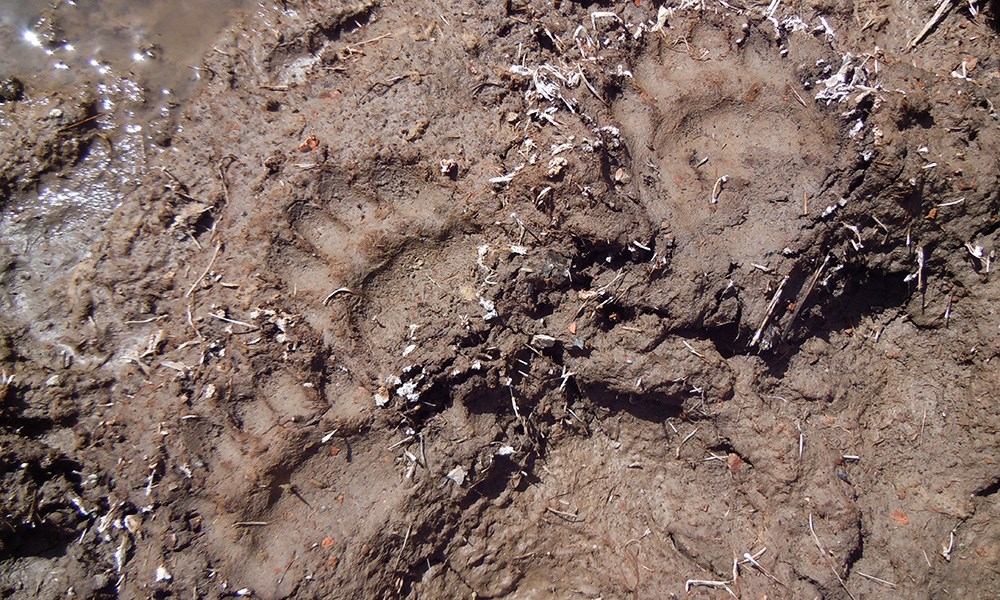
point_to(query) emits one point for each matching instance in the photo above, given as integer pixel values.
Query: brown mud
(529, 300)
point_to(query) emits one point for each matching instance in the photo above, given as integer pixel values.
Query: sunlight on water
(135, 60)
(136, 57)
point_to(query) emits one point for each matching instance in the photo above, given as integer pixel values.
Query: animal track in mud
(740, 165)
(345, 232)
(691, 122)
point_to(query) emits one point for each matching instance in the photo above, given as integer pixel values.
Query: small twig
(205, 69)
(767, 313)
(684, 441)
(809, 289)
(577, 417)
(369, 41)
(920, 272)
(797, 96)
(565, 515)
(753, 561)
(692, 350)
(205, 272)
(827, 557)
(888, 584)
(406, 538)
(291, 489)
(708, 583)
(566, 374)
(142, 366)
(190, 321)
(590, 87)
(222, 167)
(82, 122)
(405, 440)
(923, 422)
(717, 188)
(939, 14)
(946, 551)
(337, 292)
(389, 83)
(149, 320)
(251, 523)
(233, 321)
(802, 440)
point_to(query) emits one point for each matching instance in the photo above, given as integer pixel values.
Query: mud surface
(527, 300)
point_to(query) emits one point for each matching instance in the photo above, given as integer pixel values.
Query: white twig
(753, 561)
(684, 441)
(946, 551)
(939, 14)
(802, 440)
(207, 269)
(337, 292)
(513, 402)
(406, 538)
(233, 321)
(920, 268)
(692, 350)
(708, 583)
(888, 584)
(566, 374)
(717, 188)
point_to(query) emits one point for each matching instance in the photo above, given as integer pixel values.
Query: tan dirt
(529, 300)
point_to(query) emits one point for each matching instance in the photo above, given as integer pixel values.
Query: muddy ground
(526, 300)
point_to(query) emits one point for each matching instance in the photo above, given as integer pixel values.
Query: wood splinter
(809, 290)
(939, 15)
(769, 312)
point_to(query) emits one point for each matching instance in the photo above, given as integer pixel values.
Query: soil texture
(525, 299)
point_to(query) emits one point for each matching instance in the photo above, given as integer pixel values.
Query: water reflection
(137, 58)
(156, 42)
(134, 60)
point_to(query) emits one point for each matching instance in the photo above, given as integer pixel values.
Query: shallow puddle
(152, 42)
(137, 60)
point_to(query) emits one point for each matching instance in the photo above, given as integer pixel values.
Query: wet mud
(526, 300)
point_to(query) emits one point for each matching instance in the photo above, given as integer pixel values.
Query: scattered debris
(543, 341)
(458, 475)
(162, 574)
(449, 167)
(556, 167)
(839, 86)
(309, 144)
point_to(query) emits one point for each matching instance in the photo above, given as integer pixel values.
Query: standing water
(135, 62)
